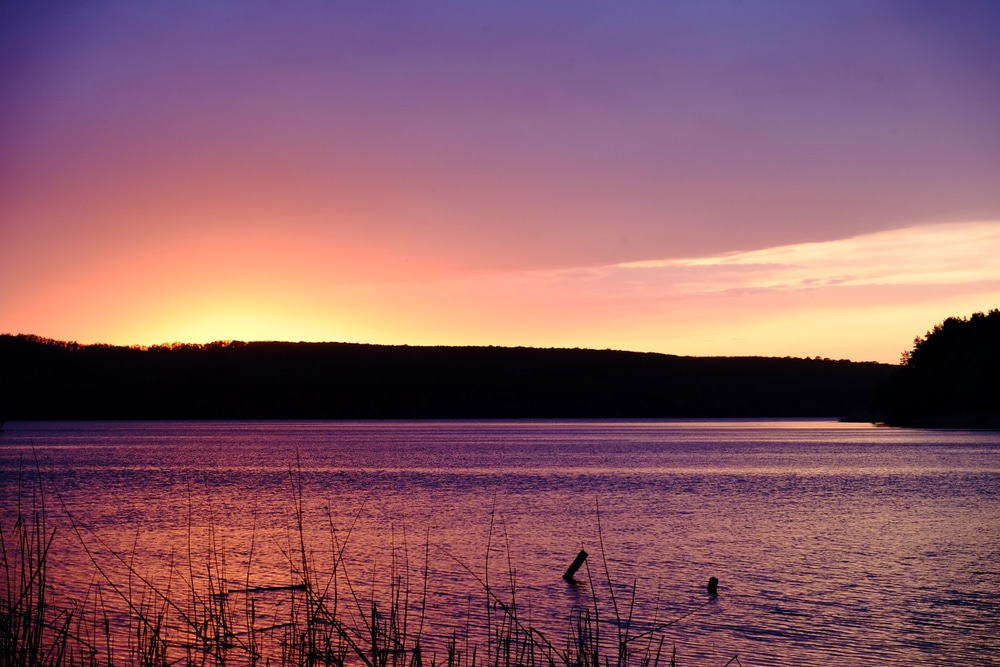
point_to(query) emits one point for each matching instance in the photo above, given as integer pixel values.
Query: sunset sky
(777, 178)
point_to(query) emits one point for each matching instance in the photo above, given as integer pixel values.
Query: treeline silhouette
(951, 377)
(46, 379)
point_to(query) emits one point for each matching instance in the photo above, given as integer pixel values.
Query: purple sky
(432, 149)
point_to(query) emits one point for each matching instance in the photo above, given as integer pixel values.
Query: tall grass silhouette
(194, 615)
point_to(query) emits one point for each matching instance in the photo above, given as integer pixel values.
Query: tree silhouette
(951, 377)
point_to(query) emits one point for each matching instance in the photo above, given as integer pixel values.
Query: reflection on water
(833, 543)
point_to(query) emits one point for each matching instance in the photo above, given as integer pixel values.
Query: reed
(329, 617)
(24, 611)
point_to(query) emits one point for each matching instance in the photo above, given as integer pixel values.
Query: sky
(768, 178)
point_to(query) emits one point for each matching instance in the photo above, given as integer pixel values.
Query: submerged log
(577, 562)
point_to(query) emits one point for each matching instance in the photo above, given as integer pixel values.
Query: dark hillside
(43, 379)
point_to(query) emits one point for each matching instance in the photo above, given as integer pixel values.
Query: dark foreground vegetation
(951, 377)
(45, 379)
(193, 615)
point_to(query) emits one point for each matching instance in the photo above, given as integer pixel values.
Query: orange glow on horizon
(263, 286)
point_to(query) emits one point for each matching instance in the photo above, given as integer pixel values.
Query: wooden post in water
(713, 586)
(577, 562)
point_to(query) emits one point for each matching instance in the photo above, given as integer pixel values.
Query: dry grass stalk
(194, 619)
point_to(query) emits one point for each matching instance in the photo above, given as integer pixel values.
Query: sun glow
(862, 298)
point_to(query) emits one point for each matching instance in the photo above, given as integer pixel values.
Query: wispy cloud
(943, 254)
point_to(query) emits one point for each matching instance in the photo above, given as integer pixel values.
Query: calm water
(835, 544)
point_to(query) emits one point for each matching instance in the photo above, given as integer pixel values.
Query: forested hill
(951, 377)
(44, 379)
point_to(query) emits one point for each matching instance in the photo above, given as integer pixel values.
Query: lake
(844, 544)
